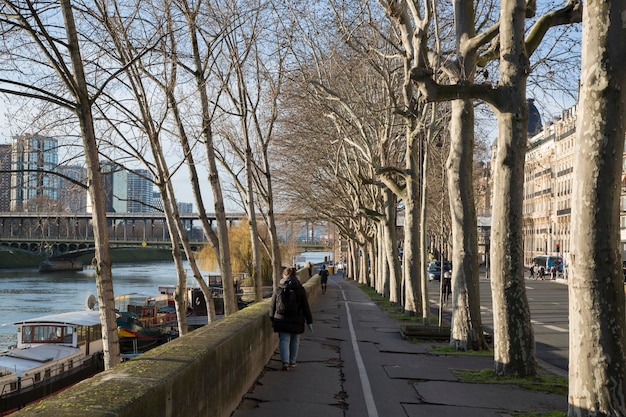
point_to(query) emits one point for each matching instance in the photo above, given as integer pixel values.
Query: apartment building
(548, 186)
(72, 188)
(34, 187)
(5, 177)
(127, 191)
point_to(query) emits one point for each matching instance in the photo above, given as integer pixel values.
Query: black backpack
(287, 300)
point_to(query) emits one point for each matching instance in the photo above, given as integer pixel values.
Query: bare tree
(365, 106)
(514, 346)
(597, 366)
(200, 58)
(149, 120)
(252, 80)
(60, 52)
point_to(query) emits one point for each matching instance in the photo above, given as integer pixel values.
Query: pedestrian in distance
(446, 287)
(289, 310)
(324, 278)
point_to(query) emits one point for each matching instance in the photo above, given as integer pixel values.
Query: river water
(27, 293)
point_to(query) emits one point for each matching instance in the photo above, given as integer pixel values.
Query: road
(548, 302)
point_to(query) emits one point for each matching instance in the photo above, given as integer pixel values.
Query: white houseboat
(52, 353)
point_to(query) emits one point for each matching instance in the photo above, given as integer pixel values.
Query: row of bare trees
(346, 103)
(378, 84)
(170, 86)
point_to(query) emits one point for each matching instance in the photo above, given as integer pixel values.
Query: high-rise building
(72, 188)
(5, 177)
(185, 208)
(127, 191)
(140, 193)
(34, 186)
(157, 202)
(115, 180)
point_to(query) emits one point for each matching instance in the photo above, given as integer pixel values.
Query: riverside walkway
(355, 364)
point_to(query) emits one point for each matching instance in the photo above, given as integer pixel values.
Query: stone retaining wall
(205, 373)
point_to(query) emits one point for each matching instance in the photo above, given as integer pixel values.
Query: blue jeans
(288, 345)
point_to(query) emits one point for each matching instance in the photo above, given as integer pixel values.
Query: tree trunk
(423, 159)
(378, 263)
(597, 365)
(271, 219)
(390, 246)
(230, 302)
(180, 292)
(355, 263)
(466, 332)
(254, 232)
(514, 345)
(104, 277)
(363, 267)
(411, 258)
(466, 329)
(514, 342)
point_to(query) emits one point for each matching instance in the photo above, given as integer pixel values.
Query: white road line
(555, 328)
(549, 326)
(365, 382)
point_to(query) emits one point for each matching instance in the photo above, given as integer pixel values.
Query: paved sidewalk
(356, 364)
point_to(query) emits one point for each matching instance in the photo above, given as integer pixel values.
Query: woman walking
(289, 310)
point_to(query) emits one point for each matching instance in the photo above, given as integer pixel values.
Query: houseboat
(52, 353)
(59, 265)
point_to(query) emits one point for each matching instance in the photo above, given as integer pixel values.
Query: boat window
(13, 386)
(47, 334)
(38, 377)
(27, 334)
(69, 335)
(47, 374)
(89, 333)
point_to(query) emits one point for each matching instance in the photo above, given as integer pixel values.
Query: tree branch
(571, 13)
(435, 92)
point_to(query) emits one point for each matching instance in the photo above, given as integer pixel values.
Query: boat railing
(159, 320)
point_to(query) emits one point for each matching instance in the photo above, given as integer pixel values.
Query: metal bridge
(69, 235)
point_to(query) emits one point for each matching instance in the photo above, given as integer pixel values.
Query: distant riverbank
(16, 258)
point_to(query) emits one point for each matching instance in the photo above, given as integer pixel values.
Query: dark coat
(324, 276)
(294, 324)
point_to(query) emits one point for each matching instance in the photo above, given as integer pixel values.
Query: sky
(181, 179)
(550, 105)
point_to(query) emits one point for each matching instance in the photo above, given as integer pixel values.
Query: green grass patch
(551, 384)
(449, 350)
(395, 310)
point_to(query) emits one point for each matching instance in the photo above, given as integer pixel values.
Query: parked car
(434, 269)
